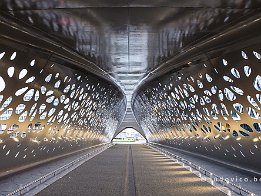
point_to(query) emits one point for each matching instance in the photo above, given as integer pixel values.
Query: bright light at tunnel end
(129, 136)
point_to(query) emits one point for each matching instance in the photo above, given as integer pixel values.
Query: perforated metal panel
(127, 38)
(128, 42)
(212, 108)
(48, 109)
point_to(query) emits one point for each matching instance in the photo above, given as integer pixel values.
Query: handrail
(230, 165)
(231, 186)
(42, 179)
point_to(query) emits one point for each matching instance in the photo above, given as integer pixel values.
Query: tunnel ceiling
(128, 39)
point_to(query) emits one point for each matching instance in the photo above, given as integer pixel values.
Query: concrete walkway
(130, 170)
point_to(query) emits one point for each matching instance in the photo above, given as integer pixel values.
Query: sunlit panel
(211, 107)
(48, 109)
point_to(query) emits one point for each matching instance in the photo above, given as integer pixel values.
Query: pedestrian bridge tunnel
(73, 74)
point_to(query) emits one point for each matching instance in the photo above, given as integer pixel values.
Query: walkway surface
(130, 170)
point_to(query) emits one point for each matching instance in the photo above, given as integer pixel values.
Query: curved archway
(130, 136)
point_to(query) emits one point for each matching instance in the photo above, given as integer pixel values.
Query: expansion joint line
(130, 187)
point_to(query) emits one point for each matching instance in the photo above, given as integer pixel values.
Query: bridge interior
(185, 74)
